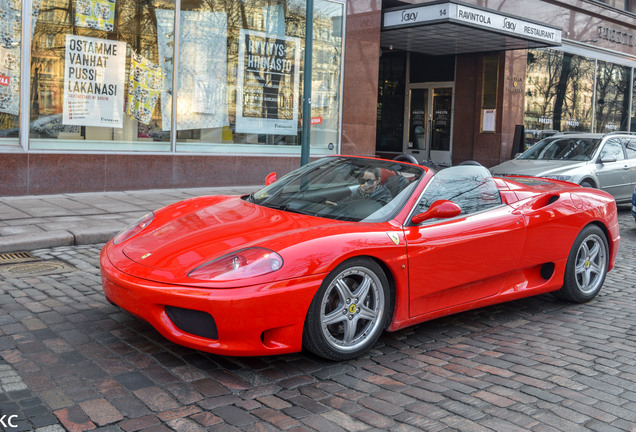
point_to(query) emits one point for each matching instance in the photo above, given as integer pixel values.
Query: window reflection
(560, 94)
(470, 187)
(10, 64)
(137, 112)
(97, 76)
(241, 86)
(612, 97)
(559, 91)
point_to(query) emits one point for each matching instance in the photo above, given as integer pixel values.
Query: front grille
(192, 321)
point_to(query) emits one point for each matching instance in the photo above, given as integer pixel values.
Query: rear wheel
(349, 311)
(586, 267)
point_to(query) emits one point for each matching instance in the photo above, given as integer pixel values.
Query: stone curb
(27, 242)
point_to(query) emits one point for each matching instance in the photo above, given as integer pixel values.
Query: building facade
(476, 80)
(102, 95)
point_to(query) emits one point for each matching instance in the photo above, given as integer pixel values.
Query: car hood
(207, 228)
(536, 168)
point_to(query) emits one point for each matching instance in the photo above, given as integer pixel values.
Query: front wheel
(586, 267)
(349, 311)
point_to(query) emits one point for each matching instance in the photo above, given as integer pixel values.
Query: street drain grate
(16, 257)
(38, 268)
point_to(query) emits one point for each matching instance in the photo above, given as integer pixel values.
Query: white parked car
(606, 162)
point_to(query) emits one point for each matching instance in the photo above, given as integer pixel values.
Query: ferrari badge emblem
(146, 255)
(394, 238)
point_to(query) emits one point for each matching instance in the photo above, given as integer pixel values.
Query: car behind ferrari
(334, 253)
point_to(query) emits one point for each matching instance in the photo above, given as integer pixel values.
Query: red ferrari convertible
(332, 254)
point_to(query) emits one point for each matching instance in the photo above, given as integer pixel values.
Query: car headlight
(558, 177)
(242, 264)
(135, 228)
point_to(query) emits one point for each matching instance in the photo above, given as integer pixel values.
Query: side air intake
(547, 270)
(192, 321)
(545, 201)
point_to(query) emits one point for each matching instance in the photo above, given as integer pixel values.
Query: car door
(630, 152)
(467, 258)
(612, 170)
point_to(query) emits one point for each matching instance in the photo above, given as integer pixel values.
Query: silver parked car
(606, 162)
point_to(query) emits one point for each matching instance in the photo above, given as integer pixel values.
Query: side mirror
(608, 159)
(440, 209)
(271, 178)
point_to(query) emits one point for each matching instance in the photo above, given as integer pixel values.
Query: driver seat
(395, 184)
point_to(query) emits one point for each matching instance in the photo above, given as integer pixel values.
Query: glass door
(441, 125)
(417, 143)
(429, 116)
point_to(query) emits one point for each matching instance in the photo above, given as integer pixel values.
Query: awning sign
(472, 16)
(94, 71)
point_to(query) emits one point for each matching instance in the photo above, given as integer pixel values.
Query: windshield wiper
(288, 208)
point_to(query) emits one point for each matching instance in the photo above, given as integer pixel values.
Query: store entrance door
(429, 116)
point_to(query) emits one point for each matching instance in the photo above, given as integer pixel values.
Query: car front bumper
(249, 321)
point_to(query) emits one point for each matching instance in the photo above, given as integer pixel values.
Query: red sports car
(337, 251)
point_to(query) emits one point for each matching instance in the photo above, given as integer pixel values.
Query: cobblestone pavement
(71, 361)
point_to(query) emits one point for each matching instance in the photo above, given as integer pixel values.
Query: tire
(587, 184)
(586, 267)
(349, 311)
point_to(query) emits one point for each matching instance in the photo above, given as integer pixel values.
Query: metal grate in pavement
(33, 268)
(16, 257)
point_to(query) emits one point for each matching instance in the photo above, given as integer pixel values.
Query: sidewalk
(43, 221)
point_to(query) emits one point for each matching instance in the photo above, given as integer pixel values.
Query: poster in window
(94, 71)
(144, 87)
(202, 78)
(95, 14)
(488, 117)
(9, 70)
(10, 45)
(268, 82)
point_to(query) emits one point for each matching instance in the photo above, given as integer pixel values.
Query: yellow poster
(95, 14)
(144, 86)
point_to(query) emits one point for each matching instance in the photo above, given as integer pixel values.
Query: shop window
(628, 5)
(10, 68)
(98, 76)
(632, 125)
(390, 118)
(489, 85)
(559, 93)
(241, 71)
(105, 76)
(613, 86)
(490, 79)
(427, 68)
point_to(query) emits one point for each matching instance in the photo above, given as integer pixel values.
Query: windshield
(343, 188)
(563, 148)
